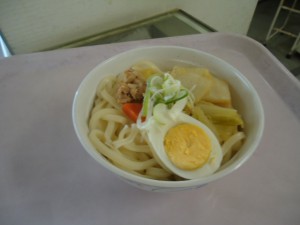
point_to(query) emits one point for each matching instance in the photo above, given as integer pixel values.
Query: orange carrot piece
(132, 110)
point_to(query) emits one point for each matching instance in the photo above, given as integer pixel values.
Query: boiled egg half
(182, 144)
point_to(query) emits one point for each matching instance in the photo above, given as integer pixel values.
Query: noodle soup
(125, 109)
(116, 133)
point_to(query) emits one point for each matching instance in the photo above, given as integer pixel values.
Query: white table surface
(46, 177)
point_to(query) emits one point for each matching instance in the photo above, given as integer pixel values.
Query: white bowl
(245, 100)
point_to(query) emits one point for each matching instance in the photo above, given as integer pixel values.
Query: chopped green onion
(165, 90)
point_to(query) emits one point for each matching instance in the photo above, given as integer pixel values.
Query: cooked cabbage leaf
(221, 115)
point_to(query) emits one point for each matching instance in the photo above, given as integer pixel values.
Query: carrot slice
(132, 110)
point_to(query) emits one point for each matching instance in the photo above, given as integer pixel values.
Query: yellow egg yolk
(187, 146)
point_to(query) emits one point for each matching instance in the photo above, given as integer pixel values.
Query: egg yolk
(187, 146)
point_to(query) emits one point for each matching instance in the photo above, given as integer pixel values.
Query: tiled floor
(280, 44)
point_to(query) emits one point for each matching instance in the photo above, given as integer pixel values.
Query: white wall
(30, 25)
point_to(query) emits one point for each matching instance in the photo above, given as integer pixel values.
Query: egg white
(156, 132)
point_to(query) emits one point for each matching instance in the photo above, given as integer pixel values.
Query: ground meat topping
(131, 88)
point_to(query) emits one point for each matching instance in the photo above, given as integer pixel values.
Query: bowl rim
(161, 183)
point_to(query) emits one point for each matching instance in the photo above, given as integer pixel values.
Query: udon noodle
(118, 139)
